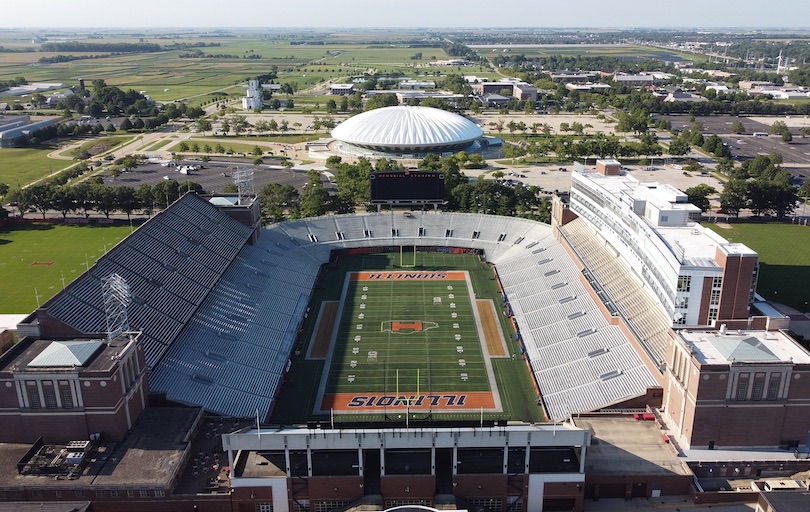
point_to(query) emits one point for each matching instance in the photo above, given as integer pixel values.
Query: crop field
(784, 275)
(619, 51)
(384, 341)
(36, 259)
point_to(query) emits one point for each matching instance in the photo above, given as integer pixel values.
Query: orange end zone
(443, 402)
(407, 276)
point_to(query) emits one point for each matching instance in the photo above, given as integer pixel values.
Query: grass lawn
(433, 350)
(24, 165)
(784, 258)
(37, 256)
(100, 144)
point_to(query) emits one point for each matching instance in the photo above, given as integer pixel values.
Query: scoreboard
(407, 187)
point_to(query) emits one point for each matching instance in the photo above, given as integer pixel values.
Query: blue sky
(403, 13)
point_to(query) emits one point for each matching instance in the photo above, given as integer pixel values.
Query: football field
(408, 340)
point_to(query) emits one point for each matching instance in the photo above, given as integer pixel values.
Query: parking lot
(213, 177)
(795, 154)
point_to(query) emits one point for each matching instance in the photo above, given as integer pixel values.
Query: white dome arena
(409, 129)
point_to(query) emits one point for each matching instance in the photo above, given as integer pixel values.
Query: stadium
(220, 316)
(389, 359)
(407, 130)
(390, 342)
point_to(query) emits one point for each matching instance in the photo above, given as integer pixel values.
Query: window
(773, 386)
(264, 507)
(684, 283)
(712, 314)
(715, 298)
(160, 494)
(394, 232)
(144, 494)
(367, 233)
(476, 234)
(717, 282)
(67, 398)
(130, 494)
(742, 387)
(664, 218)
(79, 494)
(759, 386)
(36, 495)
(50, 397)
(33, 397)
(421, 231)
(58, 494)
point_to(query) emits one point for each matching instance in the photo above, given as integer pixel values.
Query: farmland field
(384, 341)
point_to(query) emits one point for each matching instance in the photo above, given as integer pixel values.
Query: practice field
(36, 259)
(430, 342)
(408, 340)
(784, 274)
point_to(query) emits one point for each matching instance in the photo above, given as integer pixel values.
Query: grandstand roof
(407, 128)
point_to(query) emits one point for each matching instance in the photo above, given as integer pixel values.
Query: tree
(733, 198)
(737, 127)
(315, 199)
(699, 195)
(203, 125)
(279, 202)
(41, 196)
(127, 200)
(787, 136)
(21, 198)
(105, 199)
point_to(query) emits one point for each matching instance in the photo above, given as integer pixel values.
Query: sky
(404, 13)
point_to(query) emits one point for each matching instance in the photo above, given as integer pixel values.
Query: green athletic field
(384, 361)
(433, 351)
(36, 258)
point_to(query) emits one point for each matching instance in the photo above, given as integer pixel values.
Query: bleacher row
(579, 361)
(639, 308)
(170, 264)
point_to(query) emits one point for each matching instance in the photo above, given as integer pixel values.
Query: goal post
(405, 253)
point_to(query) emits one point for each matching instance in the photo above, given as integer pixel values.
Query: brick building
(67, 389)
(737, 389)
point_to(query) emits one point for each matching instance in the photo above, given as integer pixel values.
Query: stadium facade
(404, 129)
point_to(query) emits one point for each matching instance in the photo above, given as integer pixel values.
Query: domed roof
(407, 128)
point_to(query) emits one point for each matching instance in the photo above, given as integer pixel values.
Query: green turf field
(784, 258)
(432, 352)
(34, 258)
(372, 355)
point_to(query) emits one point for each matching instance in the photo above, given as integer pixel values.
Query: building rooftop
(151, 455)
(43, 354)
(621, 445)
(715, 347)
(694, 244)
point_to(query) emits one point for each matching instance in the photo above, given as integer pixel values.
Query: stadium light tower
(117, 297)
(243, 178)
